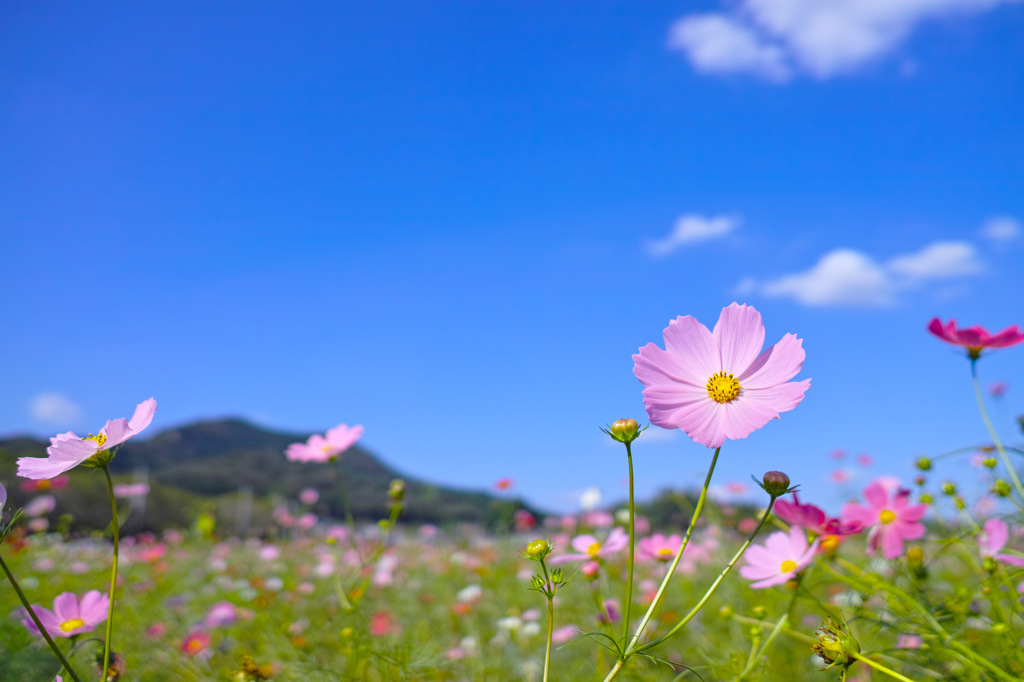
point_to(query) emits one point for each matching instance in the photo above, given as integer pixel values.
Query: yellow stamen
(788, 566)
(73, 624)
(886, 516)
(829, 542)
(665, 552)
(594, 549)
(42, 485)
(100, 439)
(723, 387)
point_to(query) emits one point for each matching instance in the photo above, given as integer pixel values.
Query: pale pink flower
(659, 547)
(779, 560)
(564, 634)
(589, 548)
(309, 496)
(70, 616)
(67, 450)
(865, 460)
(327, 447)
(718, 384)
(992, 538)
(131, 490)
(220, 614)
(41, 505)
(975, 339)
(890, 516)
(908, 642)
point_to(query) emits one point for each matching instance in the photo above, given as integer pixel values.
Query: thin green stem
(35, 619)
(113, 575)
(756, 653)
(880, 668)
(627, 605)
(614, 671)
(714, 586)
(551, 628)
(992, 432)
(679, 555)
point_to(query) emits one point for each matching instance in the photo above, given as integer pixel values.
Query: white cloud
(55, 409)
(718, 44)
(841, 277)
(941, 260)
(690, 229)
(1001, 229)
(849, 277)
(823, 38)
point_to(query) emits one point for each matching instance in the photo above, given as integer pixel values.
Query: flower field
(909, 581)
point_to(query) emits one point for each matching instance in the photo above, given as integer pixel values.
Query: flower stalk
(113, 574)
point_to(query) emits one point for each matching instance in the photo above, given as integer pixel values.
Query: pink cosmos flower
(45, 484)
(659, 547)
(975, 339)
(327, 447)
(812, 518)
(891, 517)
(589, 548)
(779, 560)
(131, 490)
(67, 450)
(714, 384)
(3, 501)
(196, 643)
(70, 616)
(992, 538)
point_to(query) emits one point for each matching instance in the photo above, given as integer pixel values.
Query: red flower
(975, 339)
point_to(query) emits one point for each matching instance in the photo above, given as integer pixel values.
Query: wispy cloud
(846, 277)
(1001, 229)
(692, 229)
(55, 409)
(773, 39)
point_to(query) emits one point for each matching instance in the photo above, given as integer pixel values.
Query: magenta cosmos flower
(718, 384)
(70, 616)
(779, 560)
(975, 339)
(813, 519)
(993, 538)
(327, 447)
(891, 517)
(67, 450)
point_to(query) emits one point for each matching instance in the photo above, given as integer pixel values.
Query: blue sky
(455, 222)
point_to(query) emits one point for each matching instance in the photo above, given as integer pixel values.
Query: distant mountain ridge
(215, 460)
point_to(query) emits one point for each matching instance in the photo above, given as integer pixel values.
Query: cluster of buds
(625, 430)
(548, 583)
(250, 671)
(1001, 488)
(836, 646)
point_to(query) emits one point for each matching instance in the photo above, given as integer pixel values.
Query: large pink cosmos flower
(70, 616)
(67, 450)
(714, 384)
(779, 560)
(891, 517)
(324, 449)
(975, 339)
(661, 548)
(589, 548)
(993, 538)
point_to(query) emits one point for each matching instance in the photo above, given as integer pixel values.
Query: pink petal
(909, 531)
(50, 621)
(93, 607)
(739, 335)
(891, 541)
(756, 555)
(695, 347)
(116, 431)
(582, 543)
(751, 572)
(143, 415)
(781, 398)
(876, 496)
(858, 513)
(743, 416)
(775, 365)
(994, 537)
(65, 606)
(653, 365)
(780, 579)
(915, 513)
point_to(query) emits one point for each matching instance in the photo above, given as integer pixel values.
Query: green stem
(627, 605)
(880, 668)
(756, 653)
(614, 671)
(113, 575)
(551, 628)
(35, 619)
(679, 555)
(714, 586)
(992, 432)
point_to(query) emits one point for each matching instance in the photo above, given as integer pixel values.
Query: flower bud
(624, 430)
(836, 645)
(1001, 488)
(538, 549)
(959, 502)
(725, 611)
(590, 570)
(396, 491)
(926, 498)
(776, 483)
(949, 488)
(758, 611)
(915, 555)
(923, 463)
(557, 576)
(989, 462)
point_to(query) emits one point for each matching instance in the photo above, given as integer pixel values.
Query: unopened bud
(989, 462)
(949, 488)
(915, 555)
(1001, 488)
(396, 491)
(758, 611)
(959, 502)
(776, 483)
(926, 498)
(923, 463)
(624, 430)
(557, 576)
(590, 571)
(836, 645)
(725, 611)
(538, 549)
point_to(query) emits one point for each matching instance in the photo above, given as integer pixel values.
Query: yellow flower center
(829, 542)
(100, 439)
(73, 624)
(194, 645)
(723, 387)
(665, 553)
(594, 549)
(886, 516)
(788, 566)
